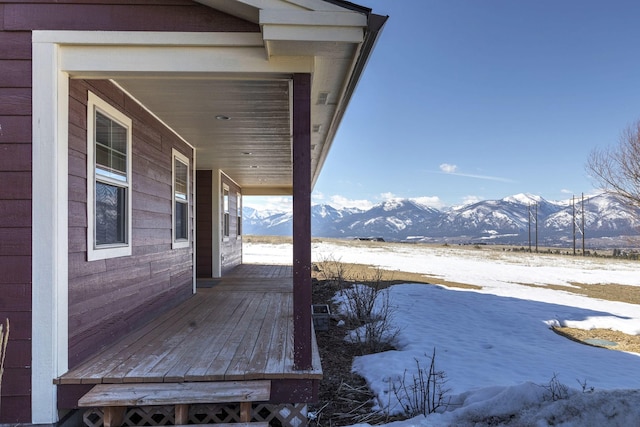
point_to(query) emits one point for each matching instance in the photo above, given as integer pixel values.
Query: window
(109, 181)
(225, 210)
(180, 200)
(239, 209)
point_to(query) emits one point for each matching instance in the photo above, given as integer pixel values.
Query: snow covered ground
(495, 345)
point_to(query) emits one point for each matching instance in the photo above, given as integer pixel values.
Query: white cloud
(448, 168)
(317, 198)
(268, 203)
(469, 200)
(387, 196)
(430, 201)
(340, 202)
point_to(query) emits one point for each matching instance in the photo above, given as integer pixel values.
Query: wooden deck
(240, 328)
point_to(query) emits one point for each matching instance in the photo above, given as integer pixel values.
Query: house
(129, 132)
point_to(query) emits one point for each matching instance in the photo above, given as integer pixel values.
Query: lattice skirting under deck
(286, 415)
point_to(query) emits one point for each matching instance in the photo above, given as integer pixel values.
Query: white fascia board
(116, 61)
(49, 304)
(312, 34)
(312, 18)
(339, 27)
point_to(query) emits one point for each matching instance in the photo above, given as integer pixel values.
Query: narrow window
(109, 181)
(239, 206)
(180, 200)
(225, 210)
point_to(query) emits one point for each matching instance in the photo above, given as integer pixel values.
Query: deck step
(114, 398)
(149, 394)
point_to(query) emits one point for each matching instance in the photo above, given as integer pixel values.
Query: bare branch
(617, 169)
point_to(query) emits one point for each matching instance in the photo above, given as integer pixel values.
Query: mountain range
(516, 220)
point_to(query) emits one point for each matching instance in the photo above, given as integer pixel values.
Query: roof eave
(375, 25)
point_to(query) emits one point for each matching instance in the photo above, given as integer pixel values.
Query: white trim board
(50, 229)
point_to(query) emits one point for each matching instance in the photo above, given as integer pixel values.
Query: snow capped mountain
(523, 199)
(511, 220)
(394, 219)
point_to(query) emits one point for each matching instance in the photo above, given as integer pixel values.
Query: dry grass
(362, 272)
(624, 342)
(608, 292)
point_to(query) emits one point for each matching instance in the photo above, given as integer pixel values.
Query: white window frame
(95, 252)
(179, 243)
(226, 214)
(238, 215)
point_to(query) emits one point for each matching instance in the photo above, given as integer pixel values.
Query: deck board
(239, 329)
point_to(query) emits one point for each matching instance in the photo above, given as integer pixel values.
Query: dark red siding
(204, 229)
(108, 298)
(231, 246)
(150, 15)
(17, 19)
(15, 220)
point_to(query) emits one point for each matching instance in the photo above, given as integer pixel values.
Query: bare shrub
(370, 314)
(555, 390)
(425, 392)
(333, 271)
(586, 388)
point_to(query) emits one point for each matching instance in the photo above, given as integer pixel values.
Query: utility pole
(573, 209)
(579, 226)
(529, 211)
(583, 252)
(536, 222)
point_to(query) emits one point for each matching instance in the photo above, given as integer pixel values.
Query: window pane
(181, 176)
(182, 220)
(225, 225)
(110, 214)
(111, 148)
(239, 209)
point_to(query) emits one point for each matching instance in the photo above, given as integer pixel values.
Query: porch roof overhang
(230, 95)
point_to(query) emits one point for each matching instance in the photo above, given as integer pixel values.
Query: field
(492, 316)
(620, 292)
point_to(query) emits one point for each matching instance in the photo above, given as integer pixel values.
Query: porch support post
(302, 221)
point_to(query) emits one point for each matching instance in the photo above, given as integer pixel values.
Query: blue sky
(467, 100)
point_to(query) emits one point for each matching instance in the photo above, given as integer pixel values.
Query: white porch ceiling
(253, 146)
